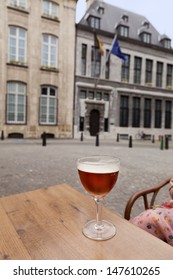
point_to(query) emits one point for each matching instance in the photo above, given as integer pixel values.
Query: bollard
(161, 143)
(166, 142)
(130, 142)
(97, 140)
(153, 139)
(81, 136)
(2, 135)
(44, 139)
(118, 137)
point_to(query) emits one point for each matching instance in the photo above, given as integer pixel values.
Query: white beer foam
(96, 168)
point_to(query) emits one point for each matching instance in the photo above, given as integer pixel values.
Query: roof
(112, 17)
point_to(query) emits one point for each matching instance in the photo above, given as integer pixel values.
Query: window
(94, 22)
(158, 113)
(125, 18)
(136, 112)
(159, 74)
(147, 112)
(106, 96)
(167, 44)
(107, 65)
(95, 62)
(123, 31)
(49, 51)
(98, 96)
(83, 94)
(168, 114)
(48, 105)
(50, 9)
(84, 59)
(124, 110)
(91, 95)
(146, 37)
(169, 75)
(19, 3)
(125, 69)
(101, 10)
(137, 70)
(16, 103)
(148, 71)
(17, 44)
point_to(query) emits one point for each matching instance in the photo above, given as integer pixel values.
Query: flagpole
(108, 55)
(106, 59)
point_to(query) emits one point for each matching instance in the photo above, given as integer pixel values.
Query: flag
(98, 43)
(116, 50)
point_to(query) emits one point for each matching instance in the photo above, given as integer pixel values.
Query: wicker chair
(147, 200)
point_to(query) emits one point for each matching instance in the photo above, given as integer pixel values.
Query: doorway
(94, 122)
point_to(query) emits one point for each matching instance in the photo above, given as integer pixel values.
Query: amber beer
(98, 182)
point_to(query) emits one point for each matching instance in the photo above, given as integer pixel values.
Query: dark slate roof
(113, 16)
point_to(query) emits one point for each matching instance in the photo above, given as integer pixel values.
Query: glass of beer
(98, 175)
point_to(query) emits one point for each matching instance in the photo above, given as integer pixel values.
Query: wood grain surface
(47, 224)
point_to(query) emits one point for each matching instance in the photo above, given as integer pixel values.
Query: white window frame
(19, 3)
(45, 108)
(14, 90)
(50, 9)
(47, 51)
(146, 38)
(16, 44)
(124, 31)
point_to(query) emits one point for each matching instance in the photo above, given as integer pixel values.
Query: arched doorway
(94, 122)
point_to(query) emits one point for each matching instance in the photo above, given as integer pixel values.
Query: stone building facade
(115, 97)
(37, 61)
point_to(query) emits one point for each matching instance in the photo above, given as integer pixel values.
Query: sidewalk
(26, 165)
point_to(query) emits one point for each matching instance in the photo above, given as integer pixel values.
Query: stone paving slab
(27, 165)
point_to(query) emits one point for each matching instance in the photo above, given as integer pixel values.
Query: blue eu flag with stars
(116, 50)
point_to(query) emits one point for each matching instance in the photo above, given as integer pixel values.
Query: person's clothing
(157, 221)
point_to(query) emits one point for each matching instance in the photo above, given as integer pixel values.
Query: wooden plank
(11, 246)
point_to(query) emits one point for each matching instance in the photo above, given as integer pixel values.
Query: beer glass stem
(99, 224)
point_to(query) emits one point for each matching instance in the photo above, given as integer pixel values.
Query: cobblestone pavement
(27, 165)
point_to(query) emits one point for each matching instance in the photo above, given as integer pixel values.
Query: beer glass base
(106, 231)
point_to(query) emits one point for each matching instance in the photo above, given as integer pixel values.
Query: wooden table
(47, 224)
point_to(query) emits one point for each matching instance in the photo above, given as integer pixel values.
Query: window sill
(48, 124)
(56, 19)
(124, 81)
(148, 84)
(17, 63)
(18, 8)
(49, 69)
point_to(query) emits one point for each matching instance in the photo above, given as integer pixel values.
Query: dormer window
(145, 24)
(166, 43)
(101, 10)
(123, 30)
(146, 37)
(94, 22)
(125, 18)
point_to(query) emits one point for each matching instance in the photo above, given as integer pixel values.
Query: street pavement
(26, 165)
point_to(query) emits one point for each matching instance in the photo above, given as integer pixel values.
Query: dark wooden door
(94, 122)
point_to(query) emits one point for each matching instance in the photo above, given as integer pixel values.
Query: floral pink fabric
(158, 221)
